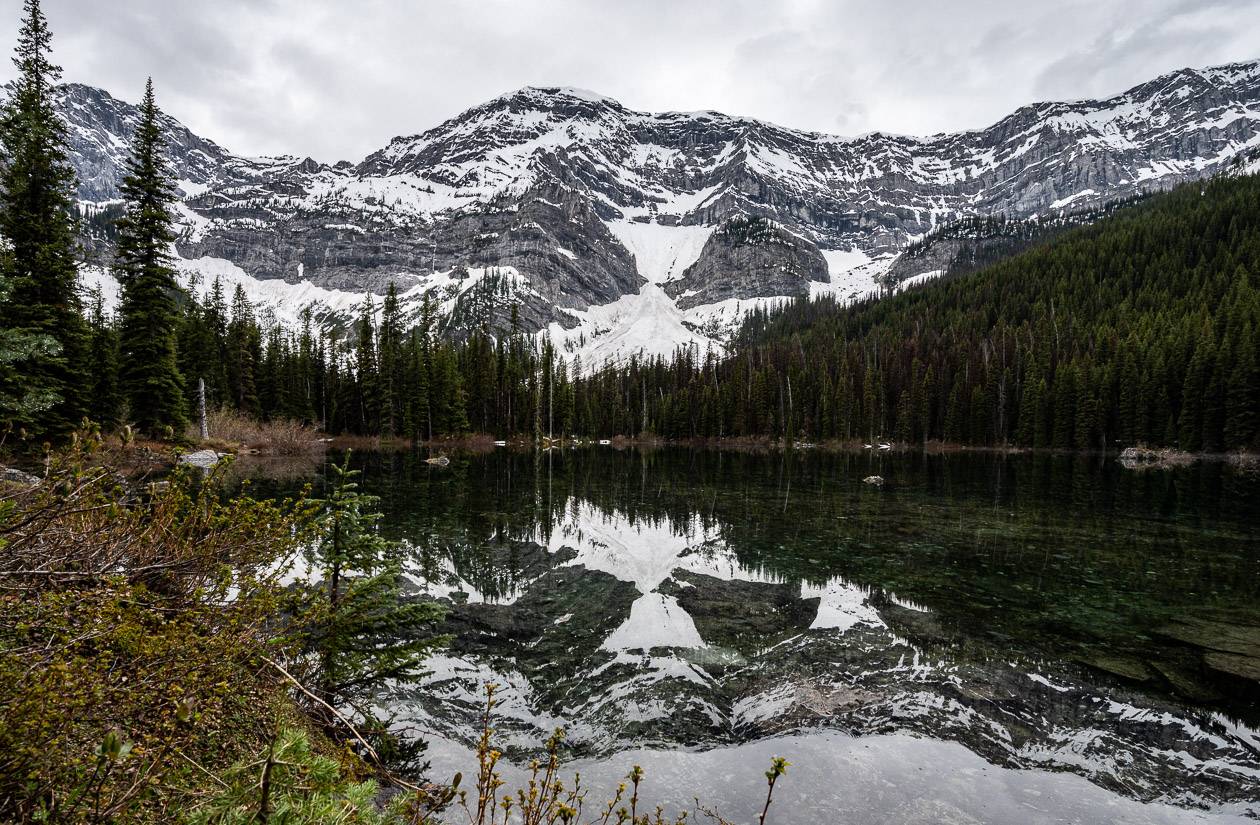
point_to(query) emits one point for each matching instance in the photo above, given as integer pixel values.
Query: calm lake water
(983, 639)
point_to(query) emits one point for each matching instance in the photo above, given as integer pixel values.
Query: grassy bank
(135, 625)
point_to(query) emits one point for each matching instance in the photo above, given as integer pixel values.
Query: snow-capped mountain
(618, 231)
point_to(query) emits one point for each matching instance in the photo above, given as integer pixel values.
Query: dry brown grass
(231, 431)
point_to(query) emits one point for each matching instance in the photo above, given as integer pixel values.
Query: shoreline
(146, 457)
(1167, 456)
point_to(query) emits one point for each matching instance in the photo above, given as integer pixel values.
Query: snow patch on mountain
(279, 301)
(647, 324)
(854, 274)
(661, 252)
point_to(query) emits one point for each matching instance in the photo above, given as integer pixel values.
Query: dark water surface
(984, 638)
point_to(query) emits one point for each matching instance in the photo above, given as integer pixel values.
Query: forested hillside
(1140, 328)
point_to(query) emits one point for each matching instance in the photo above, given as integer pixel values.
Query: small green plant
(292, 785)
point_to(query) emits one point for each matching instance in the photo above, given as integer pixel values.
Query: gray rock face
(749, 258)
(935, 257)
(536, 183)
(100, 130)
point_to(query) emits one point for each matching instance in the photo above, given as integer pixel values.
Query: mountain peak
(551, 93)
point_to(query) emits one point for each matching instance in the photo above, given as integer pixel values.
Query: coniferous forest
(1140, 328)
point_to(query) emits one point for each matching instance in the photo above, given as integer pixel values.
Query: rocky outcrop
(938, 256)
(749, 257)
(100, 129)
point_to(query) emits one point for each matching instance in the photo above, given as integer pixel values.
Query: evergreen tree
(214, 313)
(362, 627)
(366, 370)
(149, 373)
(392, 363)
(1198, 377)
(105, 407)
(22, 401)
(1065, 404)
(1242, 403)
(42, 305)
(240, 352)
(1029, 401)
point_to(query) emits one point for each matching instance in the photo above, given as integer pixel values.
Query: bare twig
(349, 725)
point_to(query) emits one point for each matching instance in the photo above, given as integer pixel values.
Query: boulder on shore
(10, 475)
(1142, 458)
(204, 459)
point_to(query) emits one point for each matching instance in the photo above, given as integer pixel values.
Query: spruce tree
(1065, 403)
(364, 629)
(391, 363)
(149, 312)
(1242, 404)
(1029, 400)
(1198, 376)
(420, 411)
(22, 401)
(105, 405)
(366, 369)
(241, 358)
(41, 305)
(214, 310)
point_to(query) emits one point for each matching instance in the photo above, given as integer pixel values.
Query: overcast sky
(335, 79)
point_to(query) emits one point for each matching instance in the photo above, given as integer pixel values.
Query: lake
(984, 638)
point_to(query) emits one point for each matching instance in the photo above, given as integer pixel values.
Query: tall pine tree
(149, 313)
(41, 302)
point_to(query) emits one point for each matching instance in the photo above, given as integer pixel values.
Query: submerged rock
(1226, 647)
(1246, 667)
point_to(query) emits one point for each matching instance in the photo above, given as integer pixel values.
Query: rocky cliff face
(100, 128)
(749, 257)
(579, 202)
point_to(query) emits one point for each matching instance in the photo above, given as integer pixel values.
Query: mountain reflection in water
(1012, 616)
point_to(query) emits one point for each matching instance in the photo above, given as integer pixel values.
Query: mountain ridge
(580, 211)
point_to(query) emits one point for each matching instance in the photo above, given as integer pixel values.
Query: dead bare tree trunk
(201, 408)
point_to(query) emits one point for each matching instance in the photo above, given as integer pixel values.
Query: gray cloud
(334, 79)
